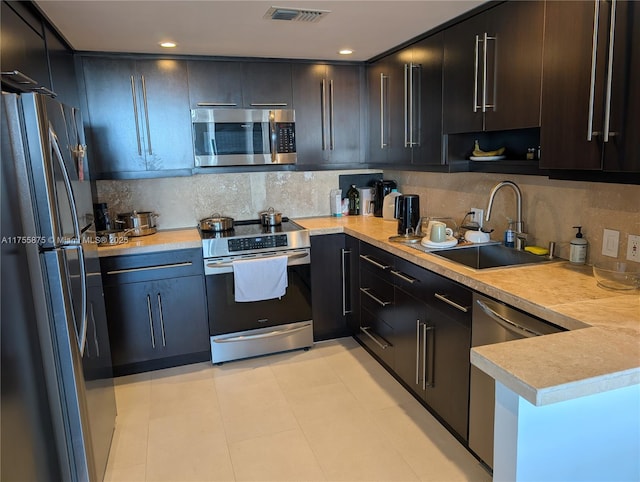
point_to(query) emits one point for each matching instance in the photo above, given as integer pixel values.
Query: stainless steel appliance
(241, 329)
(235, 137)
(58, 404)
(493, 322)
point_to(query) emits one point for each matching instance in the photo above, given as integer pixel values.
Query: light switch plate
(633, 248)
(478, 215)
(610, 242)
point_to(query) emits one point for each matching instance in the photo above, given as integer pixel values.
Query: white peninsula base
(591, 438)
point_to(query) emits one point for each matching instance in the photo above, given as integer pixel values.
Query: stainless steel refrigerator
(58, 404)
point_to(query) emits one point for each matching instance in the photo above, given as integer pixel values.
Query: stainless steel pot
(271, 217)
(138, 223)
(112, 237)
(216, 223)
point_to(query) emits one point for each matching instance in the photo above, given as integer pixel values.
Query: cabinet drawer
(375, 334)
(452, 299)
(376, 261)
(413, 279)
(376, 294)
(153, 266)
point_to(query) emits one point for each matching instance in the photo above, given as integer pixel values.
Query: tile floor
(331, 413)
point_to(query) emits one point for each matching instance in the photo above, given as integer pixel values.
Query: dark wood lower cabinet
(155, 320)
(332, 299)
(418, 324)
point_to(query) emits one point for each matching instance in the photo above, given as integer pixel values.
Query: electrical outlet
(477, 216)
(610, 241)
(633, 248)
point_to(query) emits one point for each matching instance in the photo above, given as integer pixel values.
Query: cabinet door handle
(323, 112)
(153, 338)
(404, 277)
(164, 341)
(383, 77)
(345, 311)
(476, 66)
(146, 111)
(331, 128)
(20, 77)
(216, 104)
(365, 330)
(427, 381)
(594, 62)
(374, 262)
(135, 113)
(485, 74)
(464, 309)
(367, 292)
(612, 37)
(268, 104)
(418, 351)
(406, 106)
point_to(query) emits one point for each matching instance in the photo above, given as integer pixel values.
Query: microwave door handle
(272, 135)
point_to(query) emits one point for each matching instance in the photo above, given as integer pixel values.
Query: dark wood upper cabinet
(63, 70)
(591, 93)
(493, 69)
(23, 48)
(214, 84)
(267, 85)
(405, 105)
(328, 113)
(139, 123)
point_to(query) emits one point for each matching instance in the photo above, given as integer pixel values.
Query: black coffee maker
(407, 212)
(381, 189)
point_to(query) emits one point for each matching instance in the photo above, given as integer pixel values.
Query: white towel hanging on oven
(260, 279)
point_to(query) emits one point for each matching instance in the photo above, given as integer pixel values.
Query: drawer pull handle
(374, 262)
(148, 268)
(444, 298)
(153, 338)
(404, 277)
(365, 330)
(374, 298)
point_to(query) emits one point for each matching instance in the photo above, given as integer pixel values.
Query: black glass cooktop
(251, 228)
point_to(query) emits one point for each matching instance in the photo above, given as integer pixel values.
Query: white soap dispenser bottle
(578, 252)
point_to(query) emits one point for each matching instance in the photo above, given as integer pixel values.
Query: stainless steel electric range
(246, 329)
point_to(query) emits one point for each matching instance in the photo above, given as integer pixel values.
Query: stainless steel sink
(489, 256)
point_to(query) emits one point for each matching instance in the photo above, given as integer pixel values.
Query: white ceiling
(237, 28)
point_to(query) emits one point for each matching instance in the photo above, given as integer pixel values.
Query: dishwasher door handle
(506, 323)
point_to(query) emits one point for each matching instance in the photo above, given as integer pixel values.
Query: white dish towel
(260, 279)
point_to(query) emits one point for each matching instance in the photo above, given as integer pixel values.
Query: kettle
(407, 213)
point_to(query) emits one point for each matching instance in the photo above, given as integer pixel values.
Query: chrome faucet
(521, 236)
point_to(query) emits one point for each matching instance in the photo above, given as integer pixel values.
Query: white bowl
(477, 237)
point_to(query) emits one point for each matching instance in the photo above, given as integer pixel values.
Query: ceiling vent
(295, 14)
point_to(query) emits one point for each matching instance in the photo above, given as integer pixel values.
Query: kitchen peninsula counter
(600, 353)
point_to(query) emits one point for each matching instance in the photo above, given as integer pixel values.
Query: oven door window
(231, 138)
(227, 316)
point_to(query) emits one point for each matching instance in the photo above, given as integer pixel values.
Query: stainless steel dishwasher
(493, 322)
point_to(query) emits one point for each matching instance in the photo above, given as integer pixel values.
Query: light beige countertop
(603, 356)
(163, 240)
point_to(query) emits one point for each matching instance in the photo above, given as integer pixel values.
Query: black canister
(102, 219)
(408, 213)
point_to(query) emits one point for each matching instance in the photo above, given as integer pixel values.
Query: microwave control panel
(286, 137)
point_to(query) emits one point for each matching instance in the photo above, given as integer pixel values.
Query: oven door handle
(229, 265)
(271, 334)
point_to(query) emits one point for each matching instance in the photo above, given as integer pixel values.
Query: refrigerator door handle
(54, 144)
(81, 337)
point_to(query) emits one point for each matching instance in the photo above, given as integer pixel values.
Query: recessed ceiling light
(345, 51)
(167, 45)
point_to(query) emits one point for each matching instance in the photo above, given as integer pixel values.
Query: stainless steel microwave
(236, 137)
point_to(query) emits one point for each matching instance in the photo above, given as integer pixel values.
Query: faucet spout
(519, 227)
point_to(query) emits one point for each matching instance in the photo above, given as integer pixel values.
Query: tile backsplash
(550, 208)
